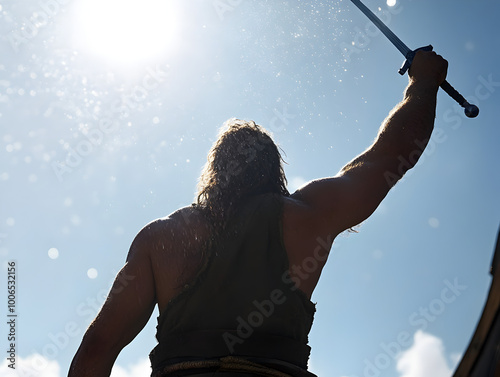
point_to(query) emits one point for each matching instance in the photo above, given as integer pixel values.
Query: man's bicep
(350, 197)
(363, 187)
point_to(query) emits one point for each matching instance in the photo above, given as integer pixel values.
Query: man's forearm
(408, 128)
(94, 358)
(88, 366)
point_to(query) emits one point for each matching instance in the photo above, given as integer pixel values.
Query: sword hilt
(409, 58)
(470, 110)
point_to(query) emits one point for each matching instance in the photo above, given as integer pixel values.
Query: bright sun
(126, 31)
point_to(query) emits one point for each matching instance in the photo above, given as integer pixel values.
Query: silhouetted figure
(233, 274)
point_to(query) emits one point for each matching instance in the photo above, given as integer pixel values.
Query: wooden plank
(482, 358)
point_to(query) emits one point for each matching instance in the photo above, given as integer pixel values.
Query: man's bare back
(176, 247)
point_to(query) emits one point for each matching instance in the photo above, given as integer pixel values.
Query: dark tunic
(243, 305)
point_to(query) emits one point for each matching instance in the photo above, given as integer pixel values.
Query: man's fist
(428, 66)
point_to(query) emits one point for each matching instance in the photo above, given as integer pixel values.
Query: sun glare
(126, 31)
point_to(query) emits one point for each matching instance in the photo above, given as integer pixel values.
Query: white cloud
(455, 358)
(33, 365)
(426, 357)
(39, 366)
(140, 369)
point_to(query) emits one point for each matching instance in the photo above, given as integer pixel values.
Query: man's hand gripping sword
(470, 110)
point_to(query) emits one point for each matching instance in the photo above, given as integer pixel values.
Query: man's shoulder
(179, 219)
(186, 217)
(186, 222)
(295, 204)
(297, 211)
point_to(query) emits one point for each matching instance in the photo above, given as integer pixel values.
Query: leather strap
(208, 344)
(232, 366)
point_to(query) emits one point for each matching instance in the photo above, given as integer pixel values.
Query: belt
(232, 366)
(209, 344)
(219, 374)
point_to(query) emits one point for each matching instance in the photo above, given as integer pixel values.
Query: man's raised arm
(350, 197)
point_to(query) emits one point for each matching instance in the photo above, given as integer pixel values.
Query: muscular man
(233, 274)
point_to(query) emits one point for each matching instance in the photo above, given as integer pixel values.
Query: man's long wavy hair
(243, 162)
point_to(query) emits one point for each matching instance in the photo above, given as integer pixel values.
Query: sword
(470, 110)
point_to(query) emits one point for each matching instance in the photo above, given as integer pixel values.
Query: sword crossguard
(409, 58)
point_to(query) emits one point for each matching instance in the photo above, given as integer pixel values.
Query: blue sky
(99, 137)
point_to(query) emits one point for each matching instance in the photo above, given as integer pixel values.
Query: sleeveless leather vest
(243, 303)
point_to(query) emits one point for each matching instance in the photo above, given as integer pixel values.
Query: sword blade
(383, 28)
